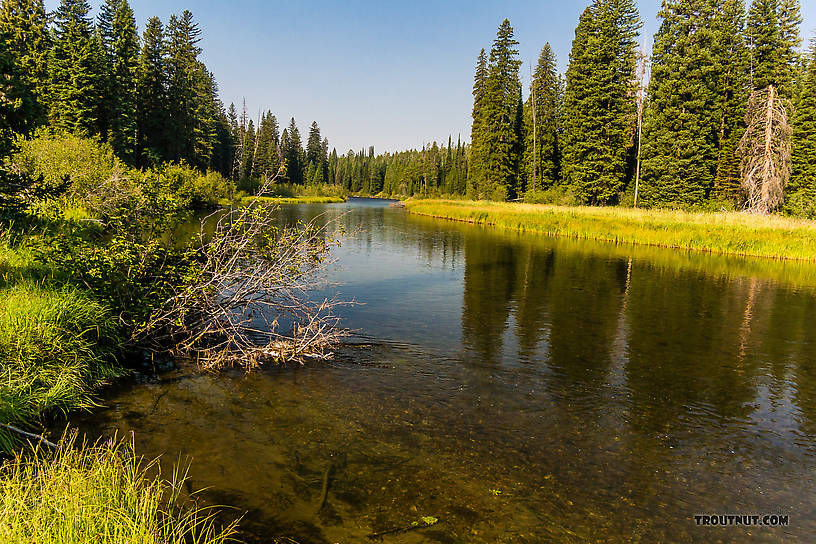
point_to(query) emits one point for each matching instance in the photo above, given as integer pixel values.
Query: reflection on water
(520, 389)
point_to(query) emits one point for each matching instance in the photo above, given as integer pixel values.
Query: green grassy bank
(726, 233)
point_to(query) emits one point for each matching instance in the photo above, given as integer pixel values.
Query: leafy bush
(87, 163)
(559, 195)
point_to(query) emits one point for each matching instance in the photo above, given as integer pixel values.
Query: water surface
(518, 388)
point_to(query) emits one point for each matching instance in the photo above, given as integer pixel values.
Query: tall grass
(103, 494)
(55, 348)
(728, 233)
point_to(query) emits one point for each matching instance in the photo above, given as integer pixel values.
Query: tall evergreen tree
(17, 103)
(599, 118)
(542, 154)
(478, 149)
(24, 26)
(773, 37)
(183, 36)
(801, 198)
(76, 81)
(293, 153)
(730, 56)
(151, 95)
(502, 127)
(314, 153)
(684, 117)
(124, 54)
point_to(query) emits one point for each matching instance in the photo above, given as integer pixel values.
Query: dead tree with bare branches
(247, 299)
(765, 150)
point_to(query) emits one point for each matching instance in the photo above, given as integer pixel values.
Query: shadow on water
(519, 389)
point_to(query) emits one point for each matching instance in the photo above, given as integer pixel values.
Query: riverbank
(727, 233)
(293, 200)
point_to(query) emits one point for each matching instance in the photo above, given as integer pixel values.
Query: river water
(518, 388)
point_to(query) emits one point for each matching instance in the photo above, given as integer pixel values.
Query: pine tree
(801, 198)
(478, 150)
(542, 154)
(183, 36)
(76, 81)
(730, 56)
(293, 153)
(314, 152)
(124, 55)
(151, 96)
(27, 42)
(684, 116)
(600, 111)
(17, 102)
(501, 130)
(773, 36)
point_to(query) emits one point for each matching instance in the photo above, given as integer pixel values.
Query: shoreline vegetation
(303, 199)
(728, 233)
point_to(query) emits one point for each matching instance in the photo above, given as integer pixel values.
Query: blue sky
(382, 73)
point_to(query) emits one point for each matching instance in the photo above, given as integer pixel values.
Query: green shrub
(86, 162)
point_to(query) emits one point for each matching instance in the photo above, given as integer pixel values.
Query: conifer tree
(151, 95)
(801, 198)
(542, 155)
(27, 42)
(730, 55)
(293, 153)
(478, 150)
(182, 67)
(75, 78)
(600, 111)
(683, 119)
(314, 153)
(17, 103)
(500, 140)
(124, 54)
(773, 36)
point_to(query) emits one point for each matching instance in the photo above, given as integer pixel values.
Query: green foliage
(599, 112)
(293, 154)
(104, 494)
(123, 50)
(86, 163)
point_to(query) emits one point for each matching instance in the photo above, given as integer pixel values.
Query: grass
(103, 494)
(293, 200)
(726, 233)
(56, 348)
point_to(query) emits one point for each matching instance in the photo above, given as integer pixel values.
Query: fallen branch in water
(37, 437)
(247, 300)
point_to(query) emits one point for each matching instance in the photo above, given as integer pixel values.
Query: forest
(674, 128)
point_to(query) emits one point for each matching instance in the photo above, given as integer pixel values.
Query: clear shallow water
(519, 388)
